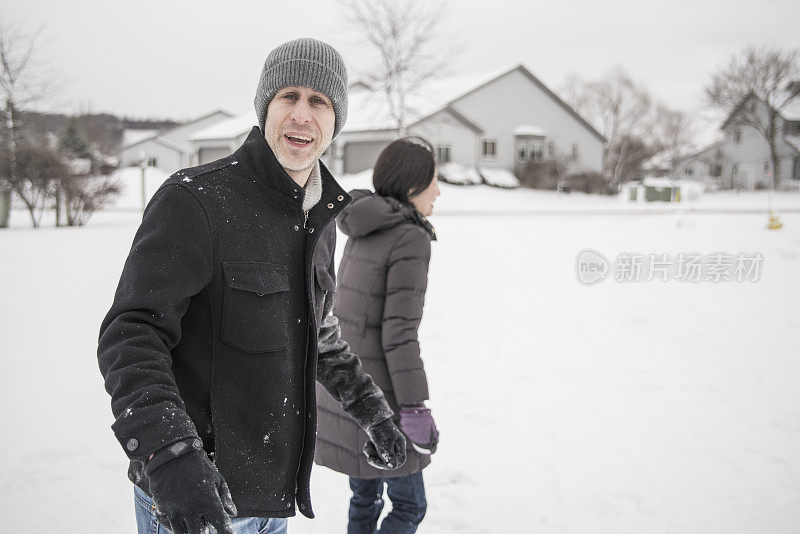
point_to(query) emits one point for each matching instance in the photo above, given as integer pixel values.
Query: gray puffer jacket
(380, 294)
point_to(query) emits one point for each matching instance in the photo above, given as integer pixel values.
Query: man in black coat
(222, 320)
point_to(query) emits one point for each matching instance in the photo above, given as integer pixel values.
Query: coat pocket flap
(324, 279)
(257, 277)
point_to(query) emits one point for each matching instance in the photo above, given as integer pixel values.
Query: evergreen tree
(73, 142)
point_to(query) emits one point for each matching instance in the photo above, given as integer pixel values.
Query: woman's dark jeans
(408, 504)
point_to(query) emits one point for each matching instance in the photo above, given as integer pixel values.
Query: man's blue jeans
(408, 504)
(148, 524)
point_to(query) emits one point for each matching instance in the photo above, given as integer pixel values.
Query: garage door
(362, 155)
(212, 154)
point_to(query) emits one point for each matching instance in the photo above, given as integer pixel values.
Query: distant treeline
(101, 129)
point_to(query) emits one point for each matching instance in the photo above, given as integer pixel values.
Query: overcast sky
(180, 59)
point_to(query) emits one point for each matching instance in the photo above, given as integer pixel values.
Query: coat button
(132, 444)
(311, 230)
(340, 198)
(296, 227)
(330, 206)
(197, 444)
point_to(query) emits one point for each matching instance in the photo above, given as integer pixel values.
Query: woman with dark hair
(381, 291)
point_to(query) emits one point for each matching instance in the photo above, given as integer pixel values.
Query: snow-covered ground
(470, 199)
(649, 407)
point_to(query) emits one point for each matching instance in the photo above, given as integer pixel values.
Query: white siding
(444, 129)
(514, 100)
(751, 154)
(167, 159)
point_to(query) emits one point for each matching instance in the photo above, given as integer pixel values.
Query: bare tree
(407, 37)
(623, 112)
(42, 167)
(21, 85)
(761, 74)
(88, 194)
(675, 134)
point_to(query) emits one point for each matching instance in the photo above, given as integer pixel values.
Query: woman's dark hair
(405, 165)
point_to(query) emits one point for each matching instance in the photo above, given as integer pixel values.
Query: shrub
(588, 182)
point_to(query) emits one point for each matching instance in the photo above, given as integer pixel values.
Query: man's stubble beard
(288, 161)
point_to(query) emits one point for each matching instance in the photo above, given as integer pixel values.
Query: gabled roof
(230, 128)
(155, 139)
(698, 153)
(521, 68)
(368, 110)
(159, 135)
(790, 111)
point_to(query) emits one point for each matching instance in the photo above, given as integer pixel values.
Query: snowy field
(638, 407)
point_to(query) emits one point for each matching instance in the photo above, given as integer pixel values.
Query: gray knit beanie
(304, 63)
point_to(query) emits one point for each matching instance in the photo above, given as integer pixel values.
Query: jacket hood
(370, 212)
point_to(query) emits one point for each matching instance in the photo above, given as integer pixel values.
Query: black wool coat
(383, 277)
(222, 322)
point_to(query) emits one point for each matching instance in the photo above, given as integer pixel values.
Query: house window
(550, 149)
(522, 151)
(689, 171)
(737, 136)
(489, 148)
(766, 167)
(530, 150)
(575, 153)
(796, 170)
(152, 161)
(443, 153)
(536, 150)
(792, 128)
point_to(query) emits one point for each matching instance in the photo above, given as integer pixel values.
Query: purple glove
(416, 422)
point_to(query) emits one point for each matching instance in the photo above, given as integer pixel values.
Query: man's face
(299, 126)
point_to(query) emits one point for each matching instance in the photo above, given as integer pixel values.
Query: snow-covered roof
(368, 110)
(791, 111)
(527, 129)
(227, 129)
(132, 137)
(661, 160)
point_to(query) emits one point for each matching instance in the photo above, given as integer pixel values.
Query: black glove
(190, 494)
(386, 448)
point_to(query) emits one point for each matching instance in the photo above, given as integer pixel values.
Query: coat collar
(257, 158)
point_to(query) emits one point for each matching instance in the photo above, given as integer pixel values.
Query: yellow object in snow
(774, 222)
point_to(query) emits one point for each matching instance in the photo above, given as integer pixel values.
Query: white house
(172, 149)
(703, 166)
(493, 121)
(743, 154)
(221, 139)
